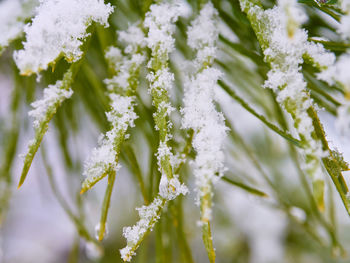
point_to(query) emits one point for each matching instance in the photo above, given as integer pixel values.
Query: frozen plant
(42, 113)
(58, 30)
(160, 23)
(104, 159)
(231, 101)
(201, 116)
(284, 44)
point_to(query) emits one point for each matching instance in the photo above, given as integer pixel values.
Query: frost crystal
(12, 16)
(58, 29)
(199, 112)
(319, 57)
(135, 33)
(170, 189)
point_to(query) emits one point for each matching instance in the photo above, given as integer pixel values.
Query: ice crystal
(135, 33)
(338, 72)
(318, 55)
(58, 30)
(121, 81)
(170, 189)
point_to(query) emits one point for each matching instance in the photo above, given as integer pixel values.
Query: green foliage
(259, 160)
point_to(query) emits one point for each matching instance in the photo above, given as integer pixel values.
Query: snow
(149, 215)
(199, 112)
(59, 29)
(13, 13)
(104, 157)
(53, 95)
(285, 45)
(160, 21)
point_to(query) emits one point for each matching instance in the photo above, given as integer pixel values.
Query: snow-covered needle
(160, 23)
(44, 110)
(284, 45)
(200, 115)
(149, 215)
(58, 30)
(105, 158)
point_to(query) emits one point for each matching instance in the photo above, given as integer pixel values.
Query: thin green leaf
(208, 241)
(331, 162)
(134, 166)
(245, 187)
(245, 105)
(43, 126)
(105, 206)
(77, 221)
